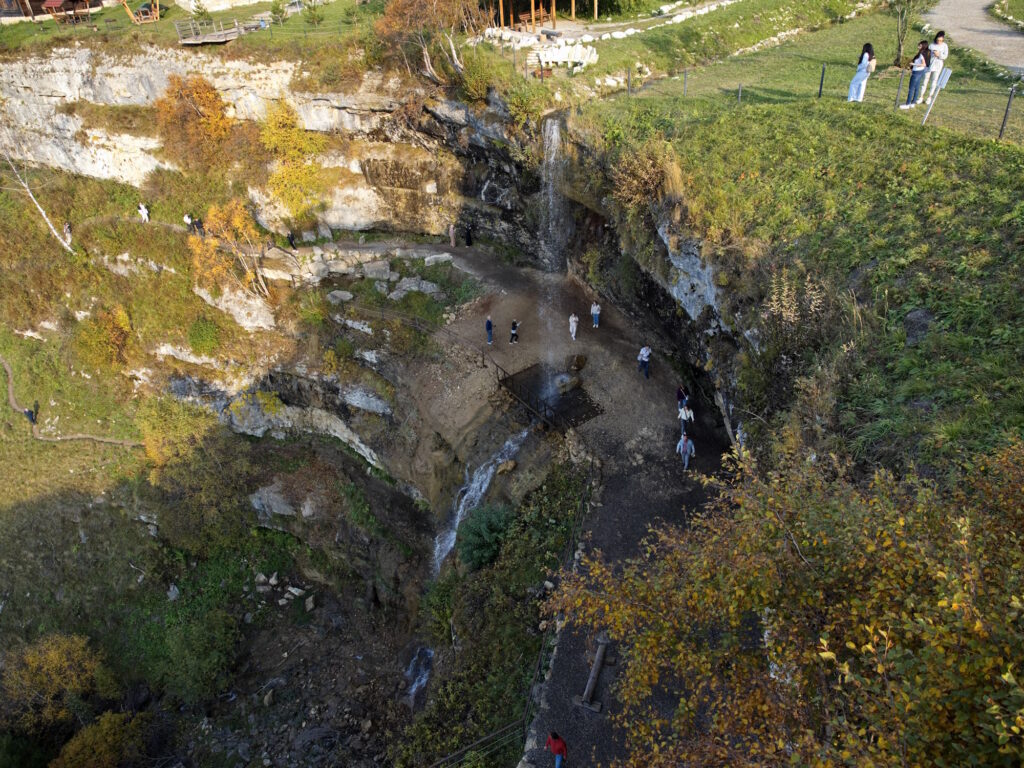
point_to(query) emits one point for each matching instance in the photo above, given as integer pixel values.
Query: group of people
(574, 322)
(685, 415)
(926, 66)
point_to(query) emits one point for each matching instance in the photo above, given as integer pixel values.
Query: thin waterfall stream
(468, 498)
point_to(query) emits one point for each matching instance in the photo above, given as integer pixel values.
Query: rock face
(407, 174)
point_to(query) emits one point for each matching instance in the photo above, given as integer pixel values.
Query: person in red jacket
(557, 746)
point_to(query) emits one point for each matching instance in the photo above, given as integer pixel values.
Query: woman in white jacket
(865, 67)
(940, 52)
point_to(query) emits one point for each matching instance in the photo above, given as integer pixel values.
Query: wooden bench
(526, 20)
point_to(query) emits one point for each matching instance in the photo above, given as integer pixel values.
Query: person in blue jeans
(918, 70)
(685, 449)
(643, 361)
(490, 330)
(595, 313)
(556, 745)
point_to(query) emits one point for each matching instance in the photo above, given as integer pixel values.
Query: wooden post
(501, 14)
(554, 24)
(574, 10)
(533, 16)
(595, 10)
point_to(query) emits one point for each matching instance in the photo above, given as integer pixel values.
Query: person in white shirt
(918, 71)
(143, 213)
(643, 361)
(574, 322)
(940, 52)
(865, 66)
(685, 417)
(595, 313)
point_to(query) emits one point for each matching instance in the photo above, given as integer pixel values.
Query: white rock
(437, 258)
(339, 297)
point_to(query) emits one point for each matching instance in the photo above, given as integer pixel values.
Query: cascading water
(556, 223)
(417, 674)
(471, 494)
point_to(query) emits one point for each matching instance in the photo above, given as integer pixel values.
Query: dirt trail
(12, 401)
(634, 438)
(968, 23)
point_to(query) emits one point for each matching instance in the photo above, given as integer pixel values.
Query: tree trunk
(65, 244)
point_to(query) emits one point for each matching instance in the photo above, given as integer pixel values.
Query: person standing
(489, 326)
(574, 322)
(939, 53)
(67, 232)
(685, 417)
(513, 337)
(451, 234)
(865, 67)
(556, 746)
(918, 72)
(143, 213)
(685, 449)
(643, 361)
(469, 235)
(595, 313)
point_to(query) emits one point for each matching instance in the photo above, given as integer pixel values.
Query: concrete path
(968, 23)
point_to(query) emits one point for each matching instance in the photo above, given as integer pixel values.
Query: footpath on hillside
(634, 438)
(969, 24)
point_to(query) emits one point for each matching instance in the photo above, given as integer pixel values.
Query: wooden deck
(191, 32)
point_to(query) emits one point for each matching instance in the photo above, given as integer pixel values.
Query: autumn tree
(41, 682)
(807, 619)
(295, 180)
(429, 26)
(231, 251)
(193, 123)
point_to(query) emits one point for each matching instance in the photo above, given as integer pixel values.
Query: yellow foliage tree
(192, 120)
(112, 741)
(231, 251)
(40, 681)
(295, 180)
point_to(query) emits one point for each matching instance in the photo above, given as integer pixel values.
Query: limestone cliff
(406, 170)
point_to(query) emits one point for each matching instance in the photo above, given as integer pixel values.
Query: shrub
(481, 535)
(42, 683)
(113, 740)
(203, 336)
(312, 13)
(102, 340)
(192, 120)
(296, 180)
(277, 12)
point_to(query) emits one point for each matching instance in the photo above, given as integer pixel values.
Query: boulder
(309, 236)
(173, 593)
(575, 363)
(339, 297)
(506, 466)
(377, 270)
(269, 500)
(916, 324)
(437, 258)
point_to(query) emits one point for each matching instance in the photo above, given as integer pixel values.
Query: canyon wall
(406, 171)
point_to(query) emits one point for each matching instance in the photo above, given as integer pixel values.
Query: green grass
(933, 217)
(336, 48)
(1009, 11)
(714, 35)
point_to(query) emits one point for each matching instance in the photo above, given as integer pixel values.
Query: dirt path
(969, 24)
(13, 402)
(634, 438)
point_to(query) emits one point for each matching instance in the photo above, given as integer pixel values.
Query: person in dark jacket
(489, 326)
(513, 337)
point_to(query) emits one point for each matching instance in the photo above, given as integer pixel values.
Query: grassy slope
(936, 219)
(344, 21)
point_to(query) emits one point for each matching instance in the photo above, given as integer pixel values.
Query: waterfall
(471, 494)
(418, 672)
(556, 223)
